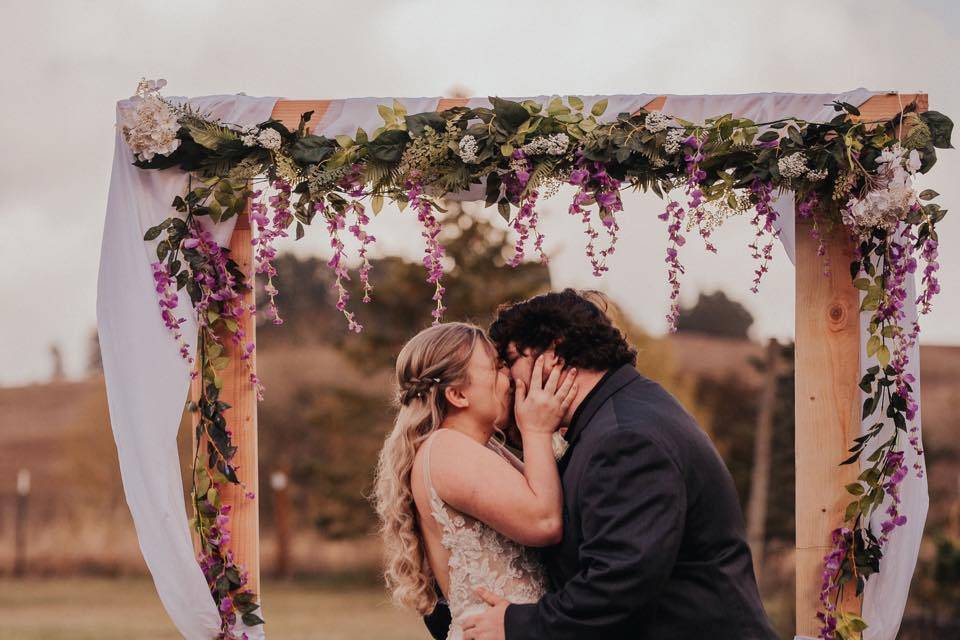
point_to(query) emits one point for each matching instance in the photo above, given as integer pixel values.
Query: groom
(653, 537)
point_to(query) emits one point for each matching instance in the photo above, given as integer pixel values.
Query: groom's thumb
(491, 599)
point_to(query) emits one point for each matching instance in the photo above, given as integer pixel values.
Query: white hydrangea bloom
(656, 122)
(150, 128)
(793, 166)
(249, 139)
(675, 138)
(468, 149)
(269, 139)
(816, 176)
(890, 203)
(553, 145)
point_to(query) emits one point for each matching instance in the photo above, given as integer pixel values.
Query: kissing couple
(633, 531)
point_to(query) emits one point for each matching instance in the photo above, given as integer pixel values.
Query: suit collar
(613, 381)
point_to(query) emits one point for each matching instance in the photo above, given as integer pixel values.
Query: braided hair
(432, 361)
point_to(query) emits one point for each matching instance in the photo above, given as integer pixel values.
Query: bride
(457, 509)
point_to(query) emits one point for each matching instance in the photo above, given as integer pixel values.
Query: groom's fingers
(490, 598)
(569, 376)
(553, 380)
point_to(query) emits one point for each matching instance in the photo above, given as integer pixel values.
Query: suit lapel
(619, 379)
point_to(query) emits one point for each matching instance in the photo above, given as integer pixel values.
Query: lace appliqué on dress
(480, 556)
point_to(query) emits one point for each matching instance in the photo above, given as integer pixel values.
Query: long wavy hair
(433, 360)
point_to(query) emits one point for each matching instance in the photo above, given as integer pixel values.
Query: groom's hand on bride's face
(489, 624)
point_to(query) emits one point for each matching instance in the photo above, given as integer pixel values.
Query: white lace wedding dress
(480, 556)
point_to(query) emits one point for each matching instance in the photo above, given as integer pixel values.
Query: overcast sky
(64, 64)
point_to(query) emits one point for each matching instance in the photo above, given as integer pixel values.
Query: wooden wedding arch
(826, 393)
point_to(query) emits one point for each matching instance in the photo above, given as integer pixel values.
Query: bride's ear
(456, 398)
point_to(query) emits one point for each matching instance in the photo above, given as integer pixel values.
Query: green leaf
(386, 113)
(504, 208)
(928, 194)
(345, 141)
(855, 488)
(599, 107)
(862, 283)
(388, 146)
(311, 149)
(883, 355)
(299, 230)
(512, 114)
(575, 102)
(852, 509)
(251, 619)
(941, 128)
(417, 123)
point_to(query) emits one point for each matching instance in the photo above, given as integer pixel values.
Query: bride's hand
(540, 408)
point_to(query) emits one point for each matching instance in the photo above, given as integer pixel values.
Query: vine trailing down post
(847, 174)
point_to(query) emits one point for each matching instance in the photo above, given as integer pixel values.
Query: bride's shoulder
(456, 464)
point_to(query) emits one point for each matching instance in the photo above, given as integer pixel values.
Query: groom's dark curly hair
(582, 332)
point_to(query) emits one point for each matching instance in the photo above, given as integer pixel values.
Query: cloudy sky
(65, 63)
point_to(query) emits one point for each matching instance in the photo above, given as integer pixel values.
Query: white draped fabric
(147, 381)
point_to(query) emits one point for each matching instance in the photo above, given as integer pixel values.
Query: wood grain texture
(827, 408)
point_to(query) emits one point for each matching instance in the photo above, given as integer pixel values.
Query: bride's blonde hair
(434, 359)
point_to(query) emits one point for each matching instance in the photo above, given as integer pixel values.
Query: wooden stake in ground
(20, 524)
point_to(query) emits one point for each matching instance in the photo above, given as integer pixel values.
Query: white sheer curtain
(147, 381)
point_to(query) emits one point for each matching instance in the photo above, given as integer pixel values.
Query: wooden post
(827, 395)
(827, 409)
(242, 421)
(279, 482)
(20, 524)
(762, 443)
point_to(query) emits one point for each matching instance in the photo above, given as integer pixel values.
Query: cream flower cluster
(468, 149)
(887, 205)
(269, 139)
(675, 138)
(793, 165)
(554, 145)
(150, 128)
(656, 121)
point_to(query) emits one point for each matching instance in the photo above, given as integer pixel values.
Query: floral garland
(847, 174)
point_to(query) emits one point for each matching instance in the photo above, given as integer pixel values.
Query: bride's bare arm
(526, 507)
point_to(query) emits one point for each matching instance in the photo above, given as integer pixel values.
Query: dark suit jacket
(653, 538)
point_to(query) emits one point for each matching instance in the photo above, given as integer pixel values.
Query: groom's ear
(456, 398)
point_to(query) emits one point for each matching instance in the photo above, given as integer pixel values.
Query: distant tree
(476, 279)
(715, 314)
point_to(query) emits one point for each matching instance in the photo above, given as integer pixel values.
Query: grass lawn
(128, 608)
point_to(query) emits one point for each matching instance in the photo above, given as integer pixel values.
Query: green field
(128, 608)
